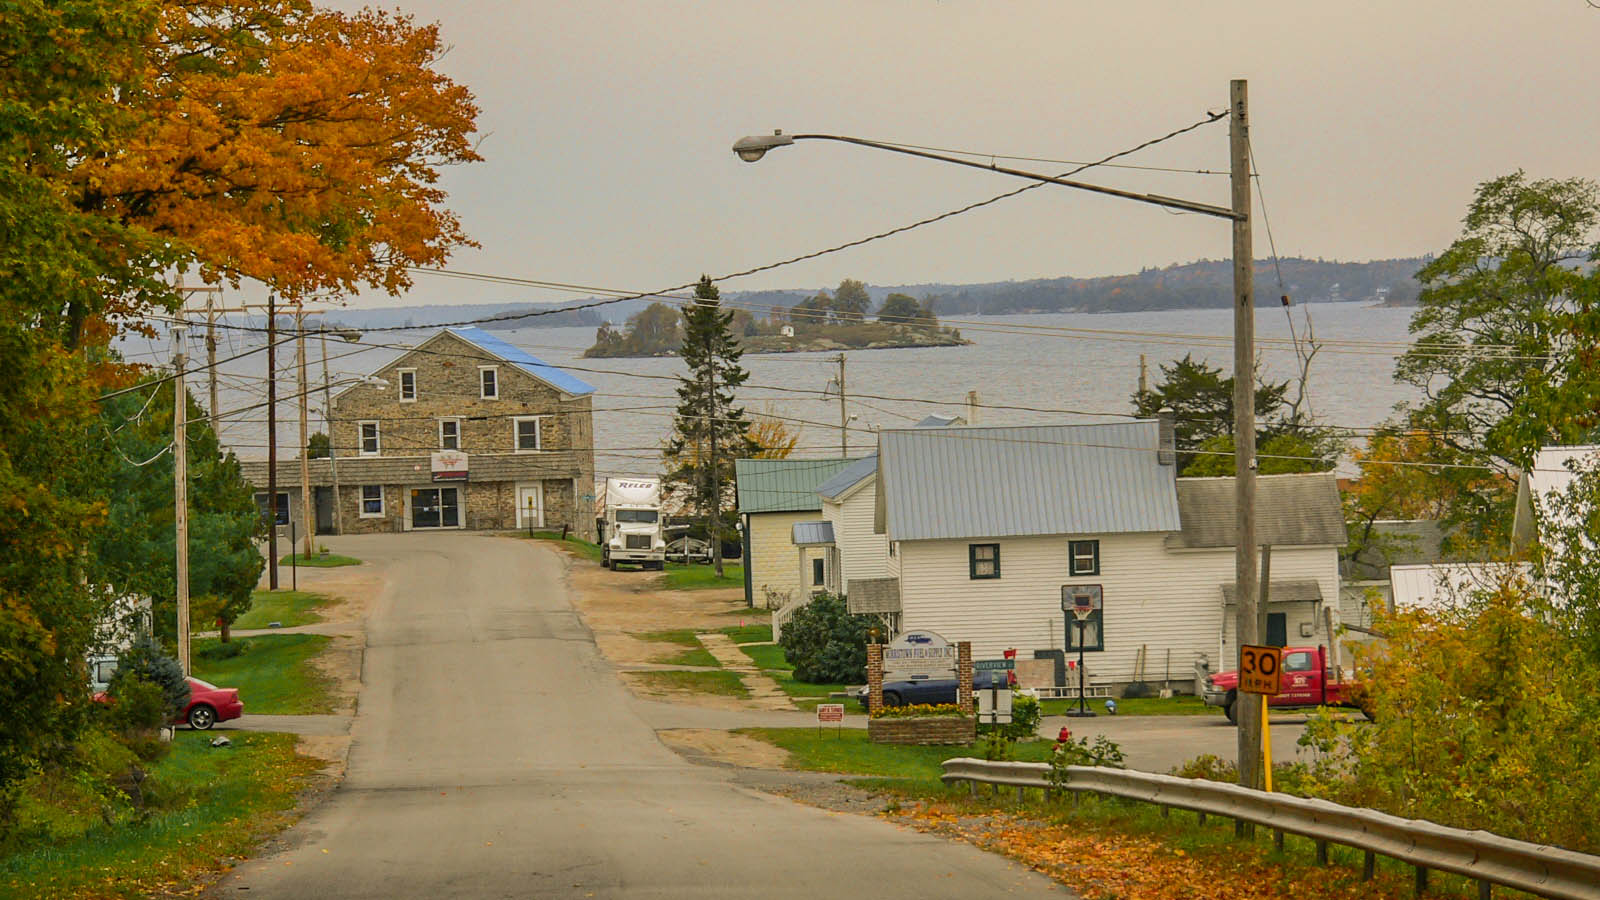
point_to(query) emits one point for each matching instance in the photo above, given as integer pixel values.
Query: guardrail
(1488, 858)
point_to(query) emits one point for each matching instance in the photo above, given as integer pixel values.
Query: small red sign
(831, 713)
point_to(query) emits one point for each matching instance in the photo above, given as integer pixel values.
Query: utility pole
(844, 420)
(327, 423)
(211, 356)
(1144, 384)
(272, 441)
(1246, 625)
(307, 513)
(715, 525)
(180, 484)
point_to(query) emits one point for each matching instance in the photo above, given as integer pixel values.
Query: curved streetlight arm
(753, 148)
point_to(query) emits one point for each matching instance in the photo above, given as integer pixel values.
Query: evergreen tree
(709, 432)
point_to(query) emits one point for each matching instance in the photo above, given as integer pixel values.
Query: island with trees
(842, 320)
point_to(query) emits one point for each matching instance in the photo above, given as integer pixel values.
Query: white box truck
(633, 524)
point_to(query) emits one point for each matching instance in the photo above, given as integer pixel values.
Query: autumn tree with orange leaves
(252, 140)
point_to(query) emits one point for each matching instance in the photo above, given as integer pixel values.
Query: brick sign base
(928, 730)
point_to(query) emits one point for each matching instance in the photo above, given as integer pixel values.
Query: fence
(1488, 858)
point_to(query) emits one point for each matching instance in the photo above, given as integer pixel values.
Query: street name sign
(1260, 670)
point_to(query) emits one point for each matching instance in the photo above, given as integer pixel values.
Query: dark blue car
(929, 690)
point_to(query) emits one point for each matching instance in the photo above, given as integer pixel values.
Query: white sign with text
(919, 654)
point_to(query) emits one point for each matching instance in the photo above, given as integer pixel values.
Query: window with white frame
(408, 385)
(1084, 557)
(526, 435)
(489, 382)
(371, 501)
(369, 438)
(449, 434)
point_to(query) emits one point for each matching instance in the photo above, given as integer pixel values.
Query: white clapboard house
(977, 529)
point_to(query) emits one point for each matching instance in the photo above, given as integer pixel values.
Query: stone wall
(925, 730)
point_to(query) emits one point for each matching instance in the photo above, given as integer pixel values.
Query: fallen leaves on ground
(1101, 863)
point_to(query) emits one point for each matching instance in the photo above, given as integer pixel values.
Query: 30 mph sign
(1260, 669)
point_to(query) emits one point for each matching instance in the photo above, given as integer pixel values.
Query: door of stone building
(530, 506)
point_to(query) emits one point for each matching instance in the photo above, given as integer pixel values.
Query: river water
(1030, 369)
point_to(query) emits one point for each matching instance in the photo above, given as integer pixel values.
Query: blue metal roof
(969, 482)
(849, 477)
(558, 378)
(811, 534)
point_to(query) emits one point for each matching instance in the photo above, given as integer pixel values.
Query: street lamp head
(756, 146)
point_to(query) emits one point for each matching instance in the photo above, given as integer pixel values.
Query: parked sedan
(209, 704)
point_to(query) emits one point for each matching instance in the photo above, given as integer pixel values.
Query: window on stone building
(371, 501)
(527, 433)
(369, 438)
(449, 434)
(489, 382)
(408, 385)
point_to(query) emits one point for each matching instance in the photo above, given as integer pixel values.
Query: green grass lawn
(693, 653)
(332, 560)
(273, 673)
(574, 543)
(748, 634)
(1178, 705)
(766, 656)
(695, 577)
(727, 684)
(849, 752)
(215, 803)
(289, 608)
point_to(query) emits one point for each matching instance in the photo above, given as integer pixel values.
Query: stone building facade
(465, 431)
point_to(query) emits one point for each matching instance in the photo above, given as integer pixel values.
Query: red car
(209, 704)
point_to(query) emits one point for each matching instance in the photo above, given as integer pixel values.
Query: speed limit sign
(1260, 669)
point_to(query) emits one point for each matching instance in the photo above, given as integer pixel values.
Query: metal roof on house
(936, 421)
(558, 378)
(783, 485)
(1444, 586)
(848, 477)
(1301, 510)
(970, 482)
(813, 534)
(1554, 470)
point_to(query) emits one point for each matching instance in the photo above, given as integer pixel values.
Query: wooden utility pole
(272, 441)
(714, 526)
(308, 514)
(180, 485)
(1144, 384)
(844, 419)
(327, 423)
(1246, 625)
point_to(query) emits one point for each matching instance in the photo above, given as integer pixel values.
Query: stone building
(464, 431)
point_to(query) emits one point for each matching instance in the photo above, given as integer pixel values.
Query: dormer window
(489, 382)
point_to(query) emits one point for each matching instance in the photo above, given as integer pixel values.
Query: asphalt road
(495, 754)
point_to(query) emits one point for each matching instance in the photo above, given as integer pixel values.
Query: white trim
(496, 371)
(516, 497)
(457, 421)
(400, 382)
(361, 501)
(461, 506)
(361, 438)
(538, 433)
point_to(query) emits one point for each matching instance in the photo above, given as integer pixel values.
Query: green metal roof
(783, 485)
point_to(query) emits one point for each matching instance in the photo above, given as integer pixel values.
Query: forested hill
(1207, 283)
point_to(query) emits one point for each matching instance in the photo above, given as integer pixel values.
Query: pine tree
(709, 432)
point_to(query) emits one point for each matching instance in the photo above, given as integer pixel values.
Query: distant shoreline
(762, 345)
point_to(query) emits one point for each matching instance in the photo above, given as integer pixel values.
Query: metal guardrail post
(1486, 858)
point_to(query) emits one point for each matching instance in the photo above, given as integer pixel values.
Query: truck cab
(1307, 680)
(632, 525)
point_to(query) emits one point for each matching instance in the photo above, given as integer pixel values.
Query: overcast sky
(607, 125)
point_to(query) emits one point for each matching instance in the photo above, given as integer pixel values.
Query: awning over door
(1307, 591)
(813, 534)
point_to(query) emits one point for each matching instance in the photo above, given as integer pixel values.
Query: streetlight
(1247, 625)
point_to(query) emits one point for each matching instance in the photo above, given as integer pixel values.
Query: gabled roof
(1395, 542)
(949, 483)
(1291, 511)
(937, 421)
(846, 479)
(1552, 474)
(783, 485)
(560, 379)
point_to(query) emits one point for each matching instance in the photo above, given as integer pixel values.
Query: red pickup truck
(1307, 681)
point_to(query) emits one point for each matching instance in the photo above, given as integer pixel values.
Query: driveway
(495, 754)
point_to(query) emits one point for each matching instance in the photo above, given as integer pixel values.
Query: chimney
(1166, 447)
(972, 407)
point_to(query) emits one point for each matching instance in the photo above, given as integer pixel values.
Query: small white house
(985, 526)
(774, 496)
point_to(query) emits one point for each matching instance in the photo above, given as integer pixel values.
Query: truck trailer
(633, 524)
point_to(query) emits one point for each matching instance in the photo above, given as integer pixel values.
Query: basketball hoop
(1082, 600)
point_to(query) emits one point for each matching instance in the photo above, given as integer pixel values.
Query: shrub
(920, 710)
(220, 651)
(144, 661)
(825, 644)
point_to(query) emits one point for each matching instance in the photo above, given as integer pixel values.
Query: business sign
(449, 465)
(1260, 670)
(830, 713)
(919, 654)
